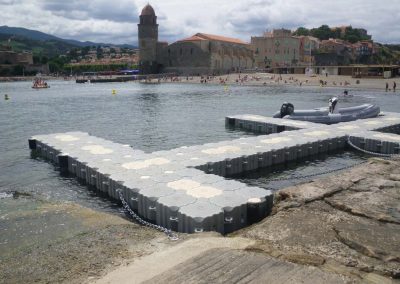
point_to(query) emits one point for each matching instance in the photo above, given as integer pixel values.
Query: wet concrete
(67, 243)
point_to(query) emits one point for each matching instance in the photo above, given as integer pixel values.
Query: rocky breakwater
(348, 223)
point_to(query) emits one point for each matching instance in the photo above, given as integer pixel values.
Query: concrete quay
(184, 189)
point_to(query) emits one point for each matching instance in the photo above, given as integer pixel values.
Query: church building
(199, 54)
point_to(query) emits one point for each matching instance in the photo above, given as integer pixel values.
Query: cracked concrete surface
(348, 222)
(340, 229)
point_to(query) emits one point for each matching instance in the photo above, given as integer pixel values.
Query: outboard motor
(332, 104)
(286, 109)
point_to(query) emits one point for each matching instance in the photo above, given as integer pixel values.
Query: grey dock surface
(185, 189)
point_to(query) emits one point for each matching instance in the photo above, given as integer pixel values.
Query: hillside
(48, 47)
(40, 36)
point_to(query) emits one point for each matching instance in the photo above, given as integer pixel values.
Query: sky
(116, 21)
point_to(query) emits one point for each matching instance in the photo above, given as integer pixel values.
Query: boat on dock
(328, 115)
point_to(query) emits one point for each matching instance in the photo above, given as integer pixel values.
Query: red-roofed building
(207, 54)
(364, 48)
(199, 54)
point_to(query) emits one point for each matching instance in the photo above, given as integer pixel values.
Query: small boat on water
(40, 84)
(328, 115)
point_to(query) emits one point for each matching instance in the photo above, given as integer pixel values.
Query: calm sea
(149, 118)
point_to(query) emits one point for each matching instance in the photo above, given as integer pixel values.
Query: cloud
(9, 2)
(117, 11)
(115, 21)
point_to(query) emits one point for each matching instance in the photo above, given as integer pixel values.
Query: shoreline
(258, 80)
(294, 80)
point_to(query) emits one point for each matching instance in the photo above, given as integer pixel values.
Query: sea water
(147, 117)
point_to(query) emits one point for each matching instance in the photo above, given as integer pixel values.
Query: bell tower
(148, 37)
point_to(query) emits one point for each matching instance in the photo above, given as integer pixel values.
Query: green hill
(37, 35)
(49, 48)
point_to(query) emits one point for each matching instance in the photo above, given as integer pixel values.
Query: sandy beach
(263, 80)
(298, 80)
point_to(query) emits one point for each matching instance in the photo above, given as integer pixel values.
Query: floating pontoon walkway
(184, 189)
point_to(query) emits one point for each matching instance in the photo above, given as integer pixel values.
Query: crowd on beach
(269, 79)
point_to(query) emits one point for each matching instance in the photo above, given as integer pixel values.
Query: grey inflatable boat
(323, 115)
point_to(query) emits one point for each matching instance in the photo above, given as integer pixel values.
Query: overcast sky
(115, 21)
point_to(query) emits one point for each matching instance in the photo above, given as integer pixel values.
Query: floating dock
(185, 189)
(107, 80)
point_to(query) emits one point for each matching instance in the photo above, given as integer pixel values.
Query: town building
(276, 49)
(308, 45)
(199, 54)
(334, 52)
(10, 57)
(335, 45)
(18, 63)
(364, 48)
(340, 52)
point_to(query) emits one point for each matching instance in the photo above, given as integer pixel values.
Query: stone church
(199, 54)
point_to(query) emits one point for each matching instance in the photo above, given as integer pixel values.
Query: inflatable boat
(323, 115)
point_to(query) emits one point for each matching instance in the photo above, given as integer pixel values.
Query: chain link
(171, 235)
(316, 174)
(340, 169)
(369, 152)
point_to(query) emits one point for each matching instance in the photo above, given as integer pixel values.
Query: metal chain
(369, 152)
(171, 235)
(316, 174)
(344, 168)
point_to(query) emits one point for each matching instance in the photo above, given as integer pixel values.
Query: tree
(99, 52)
(18, 70)
(44, 60)
(351, 35)
(323, 32)
(4, 71)
(56, 64)
(85, 50)
(301, 31)
(36, 59)
(73, 53)
(336, 33)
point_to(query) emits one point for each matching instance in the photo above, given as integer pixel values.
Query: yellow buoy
(114, 92)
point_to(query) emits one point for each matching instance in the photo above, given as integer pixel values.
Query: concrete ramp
(208, 259)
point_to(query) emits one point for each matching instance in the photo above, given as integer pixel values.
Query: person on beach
(387, 86)
(394, 86)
